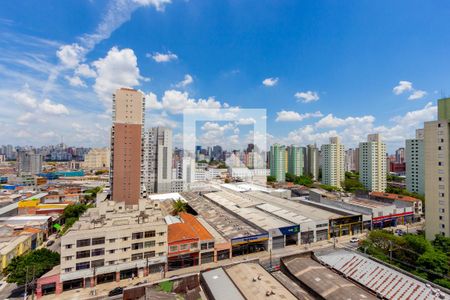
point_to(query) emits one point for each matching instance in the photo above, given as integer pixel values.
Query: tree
(435, 261)
(442, 243)
(290, 177)
(304, 180)
(329, 188)
(179, 206)
(352, 185)
(38, 261)
(72, 213)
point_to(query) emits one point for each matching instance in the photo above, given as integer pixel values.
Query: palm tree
(178, 207)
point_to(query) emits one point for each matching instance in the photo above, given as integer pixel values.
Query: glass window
(173, 248)
(82, 266)
(194, 245)
(83, 254)
(97, 252)
(184, 247)
(149, 254)
(149, 244)
(97, 263)
(204, 246)
(84, 243)
(137, 235)
(150, 234)
(210, 245)
(136, 256)
(136, 246)
(98, 241)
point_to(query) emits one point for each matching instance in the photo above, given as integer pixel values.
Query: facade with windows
(415, 165)
(372, 164)
(333, 158)
(112, 242)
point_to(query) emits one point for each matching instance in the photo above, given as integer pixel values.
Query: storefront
(348, 225)
(183, 261)
(284, 236)
(249, 244)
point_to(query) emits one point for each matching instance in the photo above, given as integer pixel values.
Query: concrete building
(113, 242)
(372, 163)
(352, 160)
(126, 145)
(295, 160)
(415, 165)
(437, 172)
(278, 162)
(29, 163)
(400, 155)
(157, 161)
(97, 158)
(313, 161)
(333, 163)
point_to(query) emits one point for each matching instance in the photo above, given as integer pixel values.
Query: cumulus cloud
(151, 101)
(85, 71)
(185, 82)
(75, 81)
(118, 69)
(158, 4)
(271, 81)
(25, 98)
(292, 116)
(403, 86)
(306, 97)
(417, 94)
(49, 107)
(70, 55)
(175, 101)
(162, 57)
(407, 87)
(330, 121)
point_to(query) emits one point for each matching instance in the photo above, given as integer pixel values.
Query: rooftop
(394, 196)
(224, 222)
(379, 278)
(256, 283)
(220, 285)
(179, 232)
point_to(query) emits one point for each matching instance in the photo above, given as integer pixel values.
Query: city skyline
(305, 63)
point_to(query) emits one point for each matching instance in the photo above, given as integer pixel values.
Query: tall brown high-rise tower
(126, 145)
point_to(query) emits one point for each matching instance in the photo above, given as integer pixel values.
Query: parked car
(399, 232)
(116, 291)
(354, 240)
(49, 243)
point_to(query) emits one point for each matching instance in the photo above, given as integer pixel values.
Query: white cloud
(161, 120)
(70, 55)
(330, 121)
(292, 116)
(151, 101)
(162, 57)
(417, 94)
(246, 121)
(118, 69)
(306, 97)
(75, 81)
(271, 81)
(403, 86)
(25, 118)
(186, 81)
(25, 98)
(175, 101)
(23, 134)
(158, 4)
(49, 107)
(85, 71)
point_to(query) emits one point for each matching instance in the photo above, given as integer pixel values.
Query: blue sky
(320, 68)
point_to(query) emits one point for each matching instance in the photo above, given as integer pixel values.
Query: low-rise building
(399, 200)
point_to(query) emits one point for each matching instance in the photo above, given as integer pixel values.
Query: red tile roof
(181, 231)
(202, 232)
(393, 196)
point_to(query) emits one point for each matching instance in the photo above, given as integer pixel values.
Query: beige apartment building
(97, 158)
(333, 163)
(113, 242)
(126, 145)
(437, 172)
(372, 164)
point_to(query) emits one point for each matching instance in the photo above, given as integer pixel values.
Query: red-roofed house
(398, 199)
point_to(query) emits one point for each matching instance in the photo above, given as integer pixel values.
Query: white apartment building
(113, 242)
(333, 158)
(97, 158)
(312, 161)
(414, 159)
(372, 163)
(157, 160)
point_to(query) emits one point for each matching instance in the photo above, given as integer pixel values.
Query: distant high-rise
(333, 157)
(97, 158)
(372, 163)
(437, 172)
(157, 165)
(126, 145)
(278, 162)
(29, 163)
(414, 158)
(400, 155)
(313, 161)
(352, 160)
(295, 160)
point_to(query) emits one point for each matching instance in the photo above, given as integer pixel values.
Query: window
(150, 234)
(161, 244)
(83, 254)
(442, 226)
(149, 254)
(84, 243)
(125, 238)
(136, 256)
(82, 266)
(69, 246)
(97, 263)
(66, 270)
(210, 245)
(173, 248)
(98, 241)
(184, 247)
(112, 251)
(98, 252)
(112, 240)
(137, 235)
(149, 244)
(441, 210)
(194, 245)
(68, 257)
(161, 233)
(137, 246)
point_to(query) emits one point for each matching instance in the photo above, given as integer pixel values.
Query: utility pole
(390, 251)
(33, 283)
(270, 253)
(26, 284)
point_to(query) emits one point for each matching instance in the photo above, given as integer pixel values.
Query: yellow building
(12, 247)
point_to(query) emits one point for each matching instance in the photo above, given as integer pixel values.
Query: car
(399, 232)
(117, 291)
(49, 243)
(354, 240)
